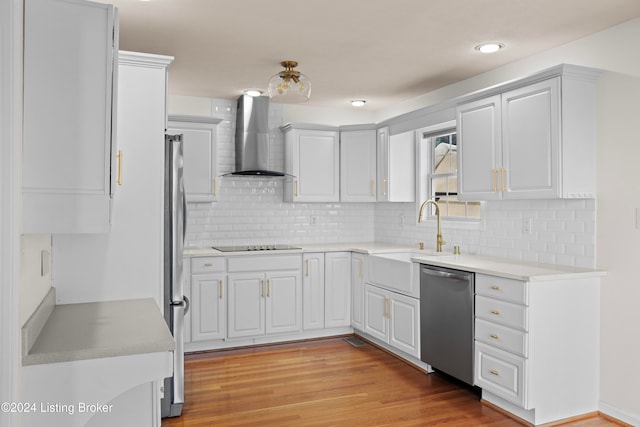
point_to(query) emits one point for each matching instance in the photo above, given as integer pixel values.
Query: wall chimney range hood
(252, 137)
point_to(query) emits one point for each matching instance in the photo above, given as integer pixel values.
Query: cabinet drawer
(505, 338)
(499, 287)
(500, 373)
(505, 313)
(207, 265)
(264, 263)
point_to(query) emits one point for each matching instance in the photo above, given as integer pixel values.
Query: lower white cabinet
(358, 278)
(337, 307)
(264, 295)
(392, 318)
(536, 346)
(208, 303)
(326, 285)
(313, 291)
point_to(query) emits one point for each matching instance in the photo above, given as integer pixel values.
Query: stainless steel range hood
(252, 137)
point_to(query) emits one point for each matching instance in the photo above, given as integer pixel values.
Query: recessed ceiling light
(358, 102)
(253, 92)
(489, 47)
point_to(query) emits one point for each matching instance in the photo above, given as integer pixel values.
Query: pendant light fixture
(289, 86)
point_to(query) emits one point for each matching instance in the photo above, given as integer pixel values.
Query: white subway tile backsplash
(251, 210)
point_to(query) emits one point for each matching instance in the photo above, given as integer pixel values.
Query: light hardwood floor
(328, 382)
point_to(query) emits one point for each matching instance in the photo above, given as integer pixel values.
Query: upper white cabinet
(530, 142)
(396, 157)
(200, 158)
(69, 119)
(358, 165)
(312, 159)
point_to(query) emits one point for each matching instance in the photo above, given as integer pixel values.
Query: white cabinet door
(312, 157)
(283, 302)
(358, 166)
(200, 157)
(530, 141)
(358, 271)
(246, 307)
(375, 312)
(382, 168)
(404, 328)
(396, 166)
(313, 291)
(69, 104)
(208, 313)
(479, 149)
(337, 307)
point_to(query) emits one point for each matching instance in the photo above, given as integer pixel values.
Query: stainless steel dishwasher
(446, 320)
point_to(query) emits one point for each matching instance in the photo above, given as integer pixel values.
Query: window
(442, 175)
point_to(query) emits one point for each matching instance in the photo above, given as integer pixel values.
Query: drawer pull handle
(494, 372)
(495, 287)
(494, 336)
(496, 312)
(208, 264)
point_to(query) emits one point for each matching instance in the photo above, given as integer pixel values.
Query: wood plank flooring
(327, 382)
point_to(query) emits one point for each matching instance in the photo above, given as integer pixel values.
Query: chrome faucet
(439, 240)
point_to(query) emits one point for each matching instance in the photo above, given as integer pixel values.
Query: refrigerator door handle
(187, 304)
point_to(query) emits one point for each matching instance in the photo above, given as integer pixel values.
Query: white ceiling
(384, 51)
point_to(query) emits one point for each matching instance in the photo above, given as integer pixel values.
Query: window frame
(425, 163)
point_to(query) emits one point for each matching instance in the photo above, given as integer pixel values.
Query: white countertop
(100, 329)
(479, 264)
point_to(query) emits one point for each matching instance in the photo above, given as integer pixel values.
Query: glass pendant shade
(289, 86)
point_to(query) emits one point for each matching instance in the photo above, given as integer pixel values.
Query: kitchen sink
(395, 271)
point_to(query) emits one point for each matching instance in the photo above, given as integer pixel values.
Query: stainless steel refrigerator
(175, 303)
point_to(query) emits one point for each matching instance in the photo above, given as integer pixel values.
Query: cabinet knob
(494, 336)
(495, 287)
(495, 312)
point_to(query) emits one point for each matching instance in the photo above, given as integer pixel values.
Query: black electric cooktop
(240, 248)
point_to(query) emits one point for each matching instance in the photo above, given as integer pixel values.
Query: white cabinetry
(534, 141)
(200, 157)
(396, 157)
(312, 158)
(127, 262)
(208, 303)
(337, 307)
(392, 318)
(69, 116)
(326, 290)
(358, 165)
(536, 346)
(264, 295)
(313, 291)
(358, 278)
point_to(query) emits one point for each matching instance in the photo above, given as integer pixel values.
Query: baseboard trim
(618, 415)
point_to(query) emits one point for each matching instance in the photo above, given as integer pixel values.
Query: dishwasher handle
(446, 274)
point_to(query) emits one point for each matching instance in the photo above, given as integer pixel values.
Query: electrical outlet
(526, 225)
(313, 220)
